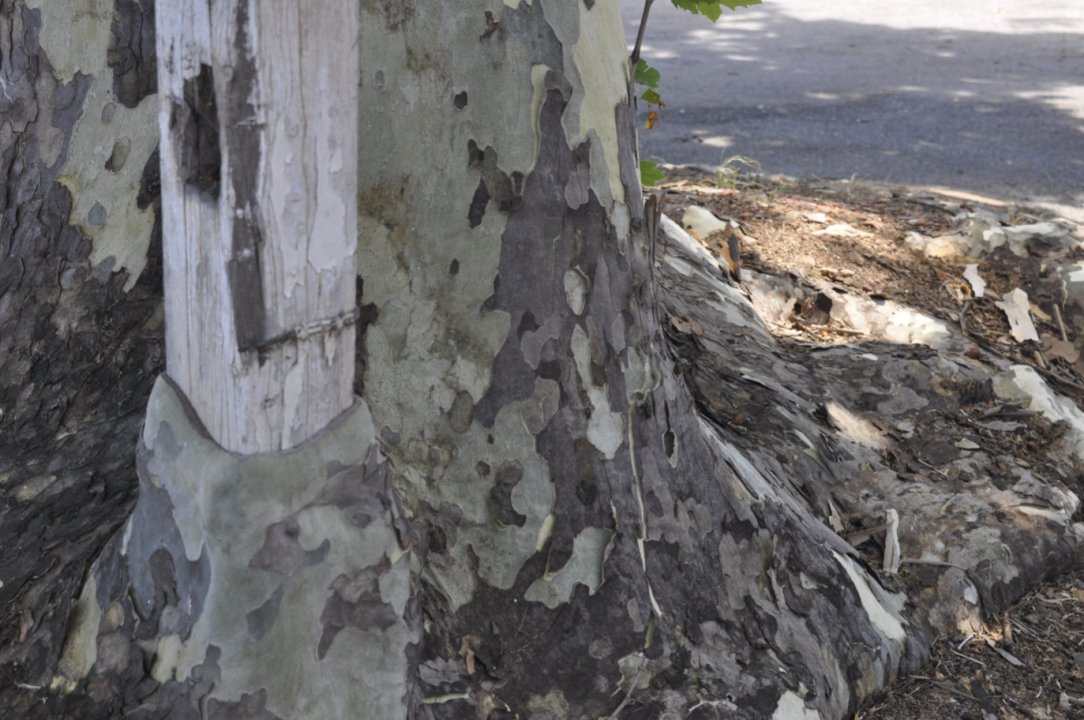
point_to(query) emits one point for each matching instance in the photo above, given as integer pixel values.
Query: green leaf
(646, 75)
(711, 9)
(651, 97)
(650, 173)
(707, 8)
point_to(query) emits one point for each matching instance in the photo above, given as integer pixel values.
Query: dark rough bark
(859, 429)
(78, 354)
(131, 51)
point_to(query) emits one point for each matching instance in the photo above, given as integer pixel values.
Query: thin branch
(639, 670)
(635, 57)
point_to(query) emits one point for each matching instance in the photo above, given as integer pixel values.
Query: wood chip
(1056, 348)
(978, 285)
(1005, 654)
(1017, 310)
(687, 326)
(842, 230)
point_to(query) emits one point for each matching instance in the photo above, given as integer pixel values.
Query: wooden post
(258, 123)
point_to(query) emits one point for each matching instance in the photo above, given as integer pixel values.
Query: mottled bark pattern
(588, 536)
(861, 430)
(267, 586)
(80, 336)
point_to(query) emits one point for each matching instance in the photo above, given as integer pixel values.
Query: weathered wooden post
(258, 121)
(263, 572)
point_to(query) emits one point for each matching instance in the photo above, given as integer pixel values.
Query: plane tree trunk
(535, 506)
(583, 535)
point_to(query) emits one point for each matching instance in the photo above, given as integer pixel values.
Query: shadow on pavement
(984, 112)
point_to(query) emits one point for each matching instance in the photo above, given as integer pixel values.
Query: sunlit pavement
(979, 96)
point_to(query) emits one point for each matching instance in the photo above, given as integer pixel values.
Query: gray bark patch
(131, 53)
(460, 414)
(507, 477)
(355, 601)
(161, 576)
(281, 551)
(263, 618)
(478, 205)
(251, 706)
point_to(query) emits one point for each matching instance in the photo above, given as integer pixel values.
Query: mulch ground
(1030, 664)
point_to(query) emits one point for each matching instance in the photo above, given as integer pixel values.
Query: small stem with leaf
(640, 33)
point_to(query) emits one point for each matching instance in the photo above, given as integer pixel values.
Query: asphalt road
(982, 96)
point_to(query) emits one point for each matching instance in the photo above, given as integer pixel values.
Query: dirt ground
(1030, 663)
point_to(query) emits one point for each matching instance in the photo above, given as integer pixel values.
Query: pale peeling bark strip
(258, 119)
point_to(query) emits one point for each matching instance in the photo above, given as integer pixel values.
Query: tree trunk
(526, 513)
(80, 305)
(585, 536)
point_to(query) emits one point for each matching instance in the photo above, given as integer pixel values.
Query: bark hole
(461, 100)
(816, 310)
(201, 155)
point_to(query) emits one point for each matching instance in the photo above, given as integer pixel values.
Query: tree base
(265, 586)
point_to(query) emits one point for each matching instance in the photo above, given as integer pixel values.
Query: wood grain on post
(258, 122)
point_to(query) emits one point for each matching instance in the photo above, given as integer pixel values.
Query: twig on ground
(1061, 323)
(948, 688)
(968, 657)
